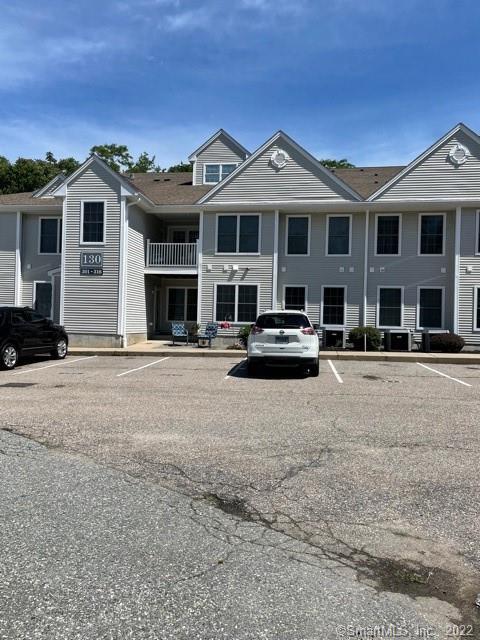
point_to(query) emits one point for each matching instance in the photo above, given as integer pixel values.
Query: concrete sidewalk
(161, 348)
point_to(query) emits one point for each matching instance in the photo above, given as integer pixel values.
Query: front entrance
(174, 300)
(42, 298)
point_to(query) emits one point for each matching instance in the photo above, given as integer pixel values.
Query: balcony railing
(171, 254)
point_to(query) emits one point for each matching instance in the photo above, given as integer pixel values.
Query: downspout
(456, 277)
(275, 261)
(365, 268)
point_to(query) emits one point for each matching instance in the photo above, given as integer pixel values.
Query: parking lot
(372, 468)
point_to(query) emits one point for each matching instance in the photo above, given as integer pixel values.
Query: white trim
(298, 215)
(217, 164)
(39, 240)
(303, 152)
(200, 268)
(365, 267)
(327, 235)
(39, 192)
(334, 286)
(236, 285)
(237, 252)
(444, 235)
(456, 267)
(459, 127)
(122, 269)
(93, 244)
(34, 294)
(275, 259)
(476, 294)
(207, 143)
(477, 232)
(402, 307)
(417, 318)
(62, 259)
(17, 299)
(375, 248)
(167, 319)
(298, 286)
(194, 176)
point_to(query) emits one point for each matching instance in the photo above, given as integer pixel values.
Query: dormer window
(214, 173)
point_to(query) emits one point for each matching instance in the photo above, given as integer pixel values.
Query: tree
(117, 156)
(330, 163)
(144, 164)
(180, 168)
(27, 174)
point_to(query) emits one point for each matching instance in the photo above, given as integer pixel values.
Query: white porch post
(199, 268)
(18, 262)
(275, 261)
(456, 295)
(365, 268)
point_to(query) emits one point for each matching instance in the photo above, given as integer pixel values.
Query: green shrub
(446, 342)
(243, 334)
(374, 338)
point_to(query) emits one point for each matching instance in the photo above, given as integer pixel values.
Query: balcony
(171, 257)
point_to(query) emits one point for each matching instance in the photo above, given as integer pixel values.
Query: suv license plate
(281, 339)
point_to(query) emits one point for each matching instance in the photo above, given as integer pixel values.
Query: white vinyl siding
(220, 151)
(8, 234)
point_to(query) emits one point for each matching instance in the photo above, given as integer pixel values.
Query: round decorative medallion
(458, 154)
(279, 159)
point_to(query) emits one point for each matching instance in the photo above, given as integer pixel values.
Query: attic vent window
(279, 159)
(458, 154)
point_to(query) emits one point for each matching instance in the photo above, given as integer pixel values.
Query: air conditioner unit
(397, 340)
(426, 334)
(334, 338)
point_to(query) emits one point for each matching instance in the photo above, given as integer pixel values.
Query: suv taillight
(308, 331)
(256, 330)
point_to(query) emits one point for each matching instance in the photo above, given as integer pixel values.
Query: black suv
(23, 331)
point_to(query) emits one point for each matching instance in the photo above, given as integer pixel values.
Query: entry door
(43, 298)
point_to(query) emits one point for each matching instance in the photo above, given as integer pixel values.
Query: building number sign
(91, 263)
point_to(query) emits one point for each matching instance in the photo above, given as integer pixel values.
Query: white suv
(283, 337)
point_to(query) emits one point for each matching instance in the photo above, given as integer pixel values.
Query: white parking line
(150, 364)
(335, 372)
(234, 370)
(440, 373)
(57, 364)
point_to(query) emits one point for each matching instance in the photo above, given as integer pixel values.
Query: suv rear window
(283, 321)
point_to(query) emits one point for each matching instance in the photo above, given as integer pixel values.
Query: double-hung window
(238, 233)
(236, 303)
(333, 306)
(295, 298)
(214, 173)
(339, 235)
(182, 304)
(390, 304)
(50, 239)
(432, 231)
(430, 308)
(93, 223)
(388, 235)
(298, 232)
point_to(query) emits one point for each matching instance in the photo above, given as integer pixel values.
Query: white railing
(171, 254)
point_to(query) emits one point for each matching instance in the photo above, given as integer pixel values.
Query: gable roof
(303, 152)
(49, 187)
(168, 188)
(366, 180)
(419, 159)
(220, 132)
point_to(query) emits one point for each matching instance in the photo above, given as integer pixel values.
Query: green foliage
(27, 174)
(446, 342)
(183, 167)
(330, 163)
(243, 334)
(117, 156)
(357, 338)
(144, 164)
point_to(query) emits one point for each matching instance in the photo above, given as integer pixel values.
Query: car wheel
(253, 368)
(8, 356)
(315, 370)
(60, 350)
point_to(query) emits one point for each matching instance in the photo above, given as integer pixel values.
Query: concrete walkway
(160, 348)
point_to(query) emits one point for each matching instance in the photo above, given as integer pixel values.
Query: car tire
(253, 369)
(315, 370)
(8, 356)
(60, 351)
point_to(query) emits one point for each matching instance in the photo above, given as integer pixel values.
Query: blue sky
(375, 81)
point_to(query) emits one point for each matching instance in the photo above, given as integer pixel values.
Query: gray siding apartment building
(116, 258)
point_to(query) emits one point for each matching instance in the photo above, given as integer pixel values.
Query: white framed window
(333, 311)
(297, 235)
(93, 222)
(339, 235)
(42, 297)
(215, 173)
(238, 233)
(388, 234)
(49, 235)
(295, 297)
(183, 234)
(476, 308)
(431, 234)
(182, 304)
(236, 303)
(430, 307)
(389, 307)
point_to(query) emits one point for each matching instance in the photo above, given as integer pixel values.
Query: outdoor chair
(210, 333)
(179, 330)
